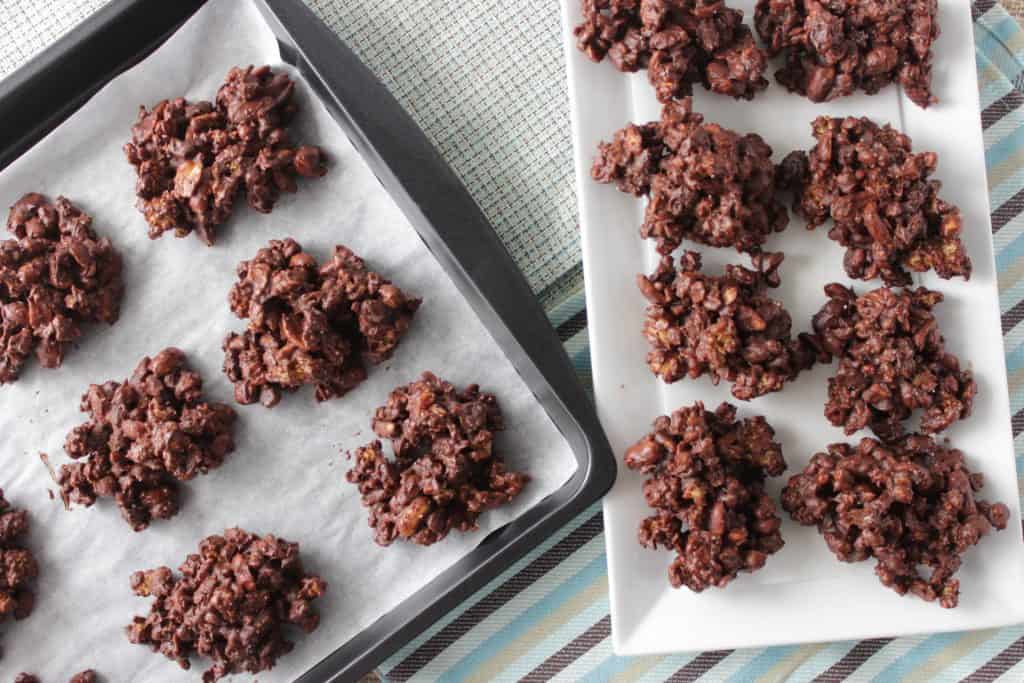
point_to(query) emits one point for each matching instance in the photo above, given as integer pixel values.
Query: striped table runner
(547, 616)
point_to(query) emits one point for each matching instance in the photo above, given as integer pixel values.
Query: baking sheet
(774, 605)
(287, 475)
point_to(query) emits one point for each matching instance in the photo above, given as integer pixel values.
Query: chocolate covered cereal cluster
(87, 676)
(145, 435)
(232, 603)
(835, 47)
(194, 159)
(445, 471)
(17, 599)
(678, 42)
(706, 473)
(56, 275)
(892, 362)
(704, 183)
(724, 326)
(885, 208)
(908, 504)
(310, 324)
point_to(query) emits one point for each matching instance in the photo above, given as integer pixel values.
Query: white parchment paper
(287, 475)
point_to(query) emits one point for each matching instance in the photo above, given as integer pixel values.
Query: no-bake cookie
(678, 42)
(87, 676)
(445, 471)
(194, 159)
(885, 208)
(706, 473)
(231, 602)
(892, 362)
(724, 326)
(144, 436)
(310, 324)
(834, 47)
(56, 275)
(705, 183)
(17, 599)
(909, 504)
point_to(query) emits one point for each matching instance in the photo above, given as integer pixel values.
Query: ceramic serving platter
(803, 594)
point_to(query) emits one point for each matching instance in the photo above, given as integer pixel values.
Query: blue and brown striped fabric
(546, 618)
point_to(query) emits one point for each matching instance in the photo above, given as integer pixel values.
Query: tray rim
(62, 77)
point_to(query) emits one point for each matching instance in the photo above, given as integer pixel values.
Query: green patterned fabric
(496, 108)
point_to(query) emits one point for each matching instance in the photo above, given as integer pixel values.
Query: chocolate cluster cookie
(310, 324)
(232, 603)
(19, 566)
(87, 676)
(678, 42)
(706, 473)
(194, 159)
(724, 326)
(705, 183)
(144, 436)
(908, 504)
(56, 275)
(445, 472)
(892, 362)
(835, 47)
(886, 210)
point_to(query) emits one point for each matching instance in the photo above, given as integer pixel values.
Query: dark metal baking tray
(52, 86)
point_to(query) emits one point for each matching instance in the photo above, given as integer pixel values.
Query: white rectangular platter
(803, 594)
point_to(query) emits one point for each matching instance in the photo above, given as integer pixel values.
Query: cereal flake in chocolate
(445, 472)
(892, 361)
(309, 324)
(725, 326)
(19, 564)
(706, 472)
(231, 603)
(908, 504)
(56, 274)
(834, 47)
(886, 210)
(705, 183)
(678, 42)
(193, 159)
(145, 435)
